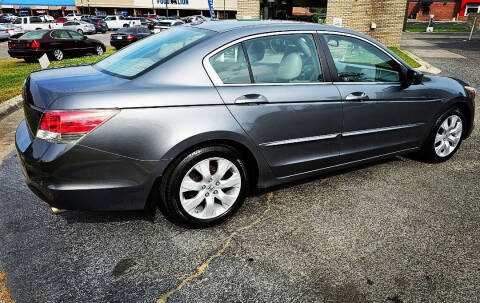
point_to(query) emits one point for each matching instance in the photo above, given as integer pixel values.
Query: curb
(424, 65)
(10, 106)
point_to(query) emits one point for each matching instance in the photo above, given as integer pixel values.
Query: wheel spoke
(190, 204)
(234, 181)
(188, 184)
(439, 148)
(226, 199)
(222, 167)
(457, 130)
(438, 138)
(204, 169)
(209, 210)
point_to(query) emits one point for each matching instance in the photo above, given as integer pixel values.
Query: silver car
(197, 117)
(80, 27)
(4, 35)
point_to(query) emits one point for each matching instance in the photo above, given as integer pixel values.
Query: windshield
(33, 35)
(146, 53)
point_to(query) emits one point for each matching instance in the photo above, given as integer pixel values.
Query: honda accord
(197, 117)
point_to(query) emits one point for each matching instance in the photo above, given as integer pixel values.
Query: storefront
(37, 7)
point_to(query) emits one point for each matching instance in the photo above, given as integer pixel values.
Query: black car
(128, 35)
(55, 43)
(100, 25)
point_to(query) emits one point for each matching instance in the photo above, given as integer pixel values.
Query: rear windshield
(125, 30)
(33, 35)
(142, 55)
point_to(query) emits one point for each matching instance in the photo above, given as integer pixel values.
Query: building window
(472, 8)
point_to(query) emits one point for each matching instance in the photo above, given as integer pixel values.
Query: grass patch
(14, 72)
(405, 57)
(436, 29)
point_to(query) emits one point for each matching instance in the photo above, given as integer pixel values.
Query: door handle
(251, 98)
(357, 96)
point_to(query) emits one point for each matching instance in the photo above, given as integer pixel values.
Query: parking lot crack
(202, 268)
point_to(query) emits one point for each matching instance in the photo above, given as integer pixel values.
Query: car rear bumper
(119, 43)
(26, 53)
(72, 176)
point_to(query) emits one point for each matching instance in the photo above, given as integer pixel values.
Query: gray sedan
(267, 103)
(80, 27)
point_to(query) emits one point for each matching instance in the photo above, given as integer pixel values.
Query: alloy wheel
(99, 50)
(448, 136)
(210, 188)
(58, 54)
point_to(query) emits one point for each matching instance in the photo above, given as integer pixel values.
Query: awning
(24, 3)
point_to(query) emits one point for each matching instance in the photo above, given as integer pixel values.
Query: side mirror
(410, 77)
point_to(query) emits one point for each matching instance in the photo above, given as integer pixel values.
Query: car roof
(268, 25)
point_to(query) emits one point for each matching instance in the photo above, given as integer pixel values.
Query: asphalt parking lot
(394, 231)
(105, 38)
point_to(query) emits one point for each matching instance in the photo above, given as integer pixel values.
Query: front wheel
(445, 137)
(80, 31)
(204, 187)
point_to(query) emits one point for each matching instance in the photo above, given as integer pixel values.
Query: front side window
(18, 21)
(108, 19)
(359, 61)
(150, 51)
(231, 66)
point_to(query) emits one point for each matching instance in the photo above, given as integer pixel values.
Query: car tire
(445, 137)
(57, 55)
(194, 197)
(80, 31)
(99, 50)
(126, 25)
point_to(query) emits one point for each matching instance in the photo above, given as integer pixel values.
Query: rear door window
(231, 65)
(289, 58)
(59, 34)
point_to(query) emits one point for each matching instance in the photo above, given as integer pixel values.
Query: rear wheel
(57, 54)
(204, 187)
(80, 31)
(445, 137)
(99, 50)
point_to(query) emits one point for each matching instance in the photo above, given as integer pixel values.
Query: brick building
(442, 9)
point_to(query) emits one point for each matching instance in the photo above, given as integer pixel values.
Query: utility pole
(166, 5)
(224, 9)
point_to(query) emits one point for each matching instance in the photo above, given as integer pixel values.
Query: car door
(81, 45)
(62, 40)
(275, 86)
(380, 116)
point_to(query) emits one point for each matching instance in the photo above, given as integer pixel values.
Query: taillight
(98, 23)
(70, 126)
(130, 37)
(35, 44)
(11, 44)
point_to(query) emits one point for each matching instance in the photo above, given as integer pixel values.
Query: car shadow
(149, 214)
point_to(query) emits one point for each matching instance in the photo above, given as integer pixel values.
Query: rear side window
(60, 35)
(35, 20)
(231, 65)
(34, 35)
(142, 55)
(284, 59)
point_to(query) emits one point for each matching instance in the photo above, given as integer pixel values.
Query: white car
(116, 22)
(12, 30)
(166, 24)
(31, 23)
(80, 27)
(47, 18)
(73, 16)
(4, 34)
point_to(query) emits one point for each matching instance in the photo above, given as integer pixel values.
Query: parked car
(73, 16)
(126, 36)
(166, 24)
(31, 23)
(4, 35)
(61, 20)
(12, 30)
(268, 103)
(99, 24)
(47, 18)
(81, 27)
(195, 18)
(116, 22)
(55, 43)
(135, 21)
